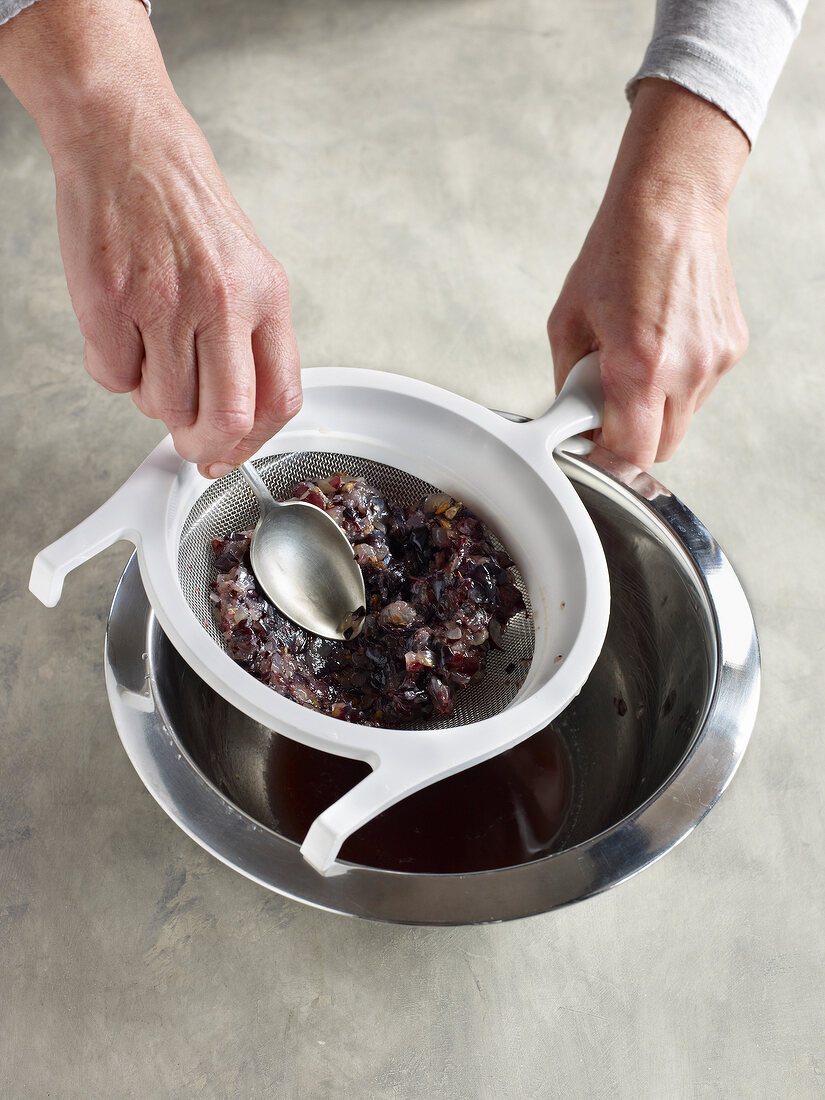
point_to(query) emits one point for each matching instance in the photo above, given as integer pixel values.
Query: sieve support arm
(122, 516)
(387, 784)
(578, 407)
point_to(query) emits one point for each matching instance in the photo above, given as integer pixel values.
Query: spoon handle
(265, 499)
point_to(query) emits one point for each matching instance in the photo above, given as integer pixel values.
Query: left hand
(653, 290)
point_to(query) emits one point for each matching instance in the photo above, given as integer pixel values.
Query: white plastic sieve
(503, 471)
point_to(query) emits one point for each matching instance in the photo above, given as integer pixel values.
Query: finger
(571, 338)
(168, 389)
(677, 414)
(277, 391)
(113, 356)
(226, 395)
(633, 411)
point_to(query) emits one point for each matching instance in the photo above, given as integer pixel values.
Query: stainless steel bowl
(624, 774)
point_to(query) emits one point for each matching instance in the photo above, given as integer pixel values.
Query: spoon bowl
(304, 564)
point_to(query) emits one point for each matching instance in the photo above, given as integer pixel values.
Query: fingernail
(218, 469)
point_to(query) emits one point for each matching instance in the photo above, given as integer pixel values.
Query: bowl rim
(508, 893)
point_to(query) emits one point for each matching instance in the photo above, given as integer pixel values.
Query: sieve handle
(578, 407)
(122, 517)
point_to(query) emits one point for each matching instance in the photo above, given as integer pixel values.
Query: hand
(652, 289)
(177, 299)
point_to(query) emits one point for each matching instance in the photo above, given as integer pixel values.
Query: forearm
(678, 148)
(82, 67)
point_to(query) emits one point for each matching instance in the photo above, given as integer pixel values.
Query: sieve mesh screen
(228, 505)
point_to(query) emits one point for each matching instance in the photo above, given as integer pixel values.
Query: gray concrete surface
(426, 172)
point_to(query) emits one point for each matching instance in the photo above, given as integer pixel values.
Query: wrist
(679, 150)
(84, 70)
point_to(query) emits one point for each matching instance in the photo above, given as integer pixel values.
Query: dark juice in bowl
(503, 812)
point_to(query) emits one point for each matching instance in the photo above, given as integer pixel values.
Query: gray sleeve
(9, 8)
(729, 52)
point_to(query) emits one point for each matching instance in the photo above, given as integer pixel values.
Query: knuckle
(150, 408)
(158, 296)
(272, 293)
(277, 278)
(702, 366)
(281, 408)
(113, 292)
(89, 319)
(231, 423)
(633, 371)
(141, 404)
(157, 407)
(220, 297)
(291, 402)
(176, 418)
(220, 284)
(102, 319)
(738, 343)
(648, 349)
(112, 361)
(125, 294)
(108, 293)
(96, 367)
(217, 292)
(112, 383)
(189, 449)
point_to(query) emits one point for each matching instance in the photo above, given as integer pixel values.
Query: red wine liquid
(506, 811)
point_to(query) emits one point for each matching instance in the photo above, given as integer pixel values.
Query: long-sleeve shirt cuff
(10, 8)
(729, 52)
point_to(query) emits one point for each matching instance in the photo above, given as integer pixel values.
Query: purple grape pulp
(439, 595)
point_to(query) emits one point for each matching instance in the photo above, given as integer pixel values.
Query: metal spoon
(304, 564)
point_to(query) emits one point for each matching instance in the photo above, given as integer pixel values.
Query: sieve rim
(227, 506)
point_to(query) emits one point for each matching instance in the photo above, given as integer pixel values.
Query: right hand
(178, 301)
